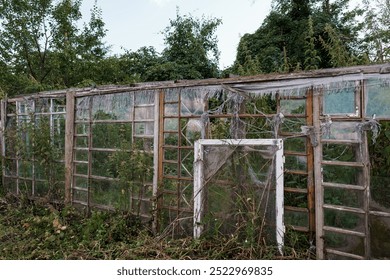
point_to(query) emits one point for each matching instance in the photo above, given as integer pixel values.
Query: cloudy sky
(133, 24)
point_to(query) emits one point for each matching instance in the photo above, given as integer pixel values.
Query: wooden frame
(199, 179)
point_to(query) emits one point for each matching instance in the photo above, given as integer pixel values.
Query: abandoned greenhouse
(306, 150)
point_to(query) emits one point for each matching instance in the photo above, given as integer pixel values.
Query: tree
(289, 37)
(376, 38)
(41, 41)
(191, 48)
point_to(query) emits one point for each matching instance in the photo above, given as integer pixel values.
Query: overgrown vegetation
(31, 230)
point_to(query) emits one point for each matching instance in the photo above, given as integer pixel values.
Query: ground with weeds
(37, 230)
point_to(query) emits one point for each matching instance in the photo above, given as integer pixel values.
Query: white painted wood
(199, 180)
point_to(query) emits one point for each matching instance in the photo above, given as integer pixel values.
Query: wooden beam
(319, 192)
(69, 142)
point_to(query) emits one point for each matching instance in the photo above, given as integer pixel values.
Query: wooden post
(3, 118)
(156, 156)
(160, 134)
(310, 164)
(69, 139)
(319, 214)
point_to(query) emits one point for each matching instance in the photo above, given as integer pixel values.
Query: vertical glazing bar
(69, 143)
(318, 176)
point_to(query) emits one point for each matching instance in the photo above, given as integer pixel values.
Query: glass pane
(290, 106)
(82, 108)
(171, 139)
(10, 167)
(110, 135)
(25, 187)
(170, 169)
(295, 162)
(293, 218)
(81, 155)
(172, 95)
(339, 152)
(144, 97)
(378, 98)
(143, 144)
(350, 198)
(144, 128)
(192, 103)
(380, 232)
(342, 174)
(81, 182)
(340, 101)
(295, 199)
(80, 195)
(345, 243)
(187, 163)
(102, 164)
(171, 154)
(191, 130)
(295, 144)
(171, 124)
(171, 110)
(343, 220)
(82, 128)
(116, 106)
(81, 142)
(343, 131)
(295, 181)
(144, 113)
(292, 125)
(107, 193)
(81, 168)
(380, 194)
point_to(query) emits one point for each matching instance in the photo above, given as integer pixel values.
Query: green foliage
(289, 38)
(376, 40)
(312, 59)
(40, 231)
(191, 47)
(42, 46)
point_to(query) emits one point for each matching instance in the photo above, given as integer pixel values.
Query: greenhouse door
(342, 192)
(238, 189)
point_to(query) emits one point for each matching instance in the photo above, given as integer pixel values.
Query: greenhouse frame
(136, 148)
